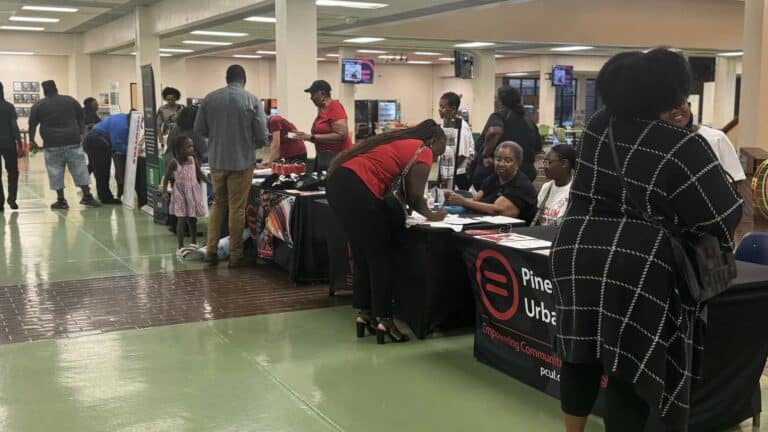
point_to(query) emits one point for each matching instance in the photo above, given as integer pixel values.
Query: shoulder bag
(396, 197)
(701, 263)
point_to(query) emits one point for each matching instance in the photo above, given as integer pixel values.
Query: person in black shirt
(91, 113)
(508, 123)
(62, 125)
(10, 149)
(507, 192)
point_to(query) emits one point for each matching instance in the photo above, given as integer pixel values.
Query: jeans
(12, 167)
(230, 191)
(58, 158)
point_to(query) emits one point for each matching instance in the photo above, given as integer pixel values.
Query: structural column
(147, 52)
(346, 92)
(581, 97)
(546, 92)
(79, 65)
(725, 91)
(296, 34)
(753, 113)
(483, 86)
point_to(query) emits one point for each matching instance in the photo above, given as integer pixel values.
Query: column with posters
(154, 166)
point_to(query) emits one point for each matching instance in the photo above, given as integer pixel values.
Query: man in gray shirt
(233, 121)
(61, 124)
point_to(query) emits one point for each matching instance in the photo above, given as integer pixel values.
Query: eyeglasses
(547, 162)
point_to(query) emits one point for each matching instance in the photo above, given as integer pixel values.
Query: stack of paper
(501, 220)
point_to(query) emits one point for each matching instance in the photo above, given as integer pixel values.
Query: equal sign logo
(498, 284)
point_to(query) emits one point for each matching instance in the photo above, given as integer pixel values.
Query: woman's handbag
(703, 265)
(396, 198)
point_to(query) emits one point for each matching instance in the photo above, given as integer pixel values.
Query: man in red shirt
(285, 144)
(330, 132)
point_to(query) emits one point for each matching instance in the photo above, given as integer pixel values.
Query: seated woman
(559, 164)
(507, 192)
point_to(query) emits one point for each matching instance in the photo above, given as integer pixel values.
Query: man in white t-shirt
(724, 151)
(448, 108)
(553, 196)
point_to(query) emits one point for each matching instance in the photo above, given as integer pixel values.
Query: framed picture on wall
(36, 87)
(35, 98)
(104, 99)
(17, 86)
(26, 86)
(16, 98)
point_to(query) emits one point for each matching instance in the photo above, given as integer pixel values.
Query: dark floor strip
(93, 306)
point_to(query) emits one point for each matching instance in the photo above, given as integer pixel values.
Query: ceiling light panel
(33, 19)
(50, 9)
(199, 42)
(351, 4)
(261, 19)
(364, 40)
(371, 51)
(22, 28)
(427, 53)
(218, 33)
(474, 44)
(176, 50)
(247, 56)
(25, 53)
(572, 48)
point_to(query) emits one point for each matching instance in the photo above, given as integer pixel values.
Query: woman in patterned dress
(622, 310)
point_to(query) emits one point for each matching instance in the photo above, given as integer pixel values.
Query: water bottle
(447, 168)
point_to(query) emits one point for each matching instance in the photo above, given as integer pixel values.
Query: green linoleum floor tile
(175, 378)
(54, 271)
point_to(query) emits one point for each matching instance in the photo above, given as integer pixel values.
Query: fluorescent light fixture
(218, 33)
(499, 56)
(333, 55)
(34, 19)
(50, 9)
(427, 53)
(517, 74)
(166, 55)
(198, 42)
(364, 40)
(176, 50)
(322, 59)
(25, 53)
(266, 52)
(261, 19)
(419, 62)
(572, 48)
(247, 56)
(351, 4)
(446, 59)
(474, 44)
(389, 57)
(368, 51)
(20, 28)
(732, 54)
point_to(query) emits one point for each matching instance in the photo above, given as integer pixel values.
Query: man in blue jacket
(107, 140)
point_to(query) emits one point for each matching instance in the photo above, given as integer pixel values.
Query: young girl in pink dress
(186, 199)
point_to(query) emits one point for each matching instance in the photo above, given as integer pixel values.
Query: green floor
(300, 371)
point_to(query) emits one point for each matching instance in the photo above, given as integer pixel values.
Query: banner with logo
(154, 165)
(135, 123)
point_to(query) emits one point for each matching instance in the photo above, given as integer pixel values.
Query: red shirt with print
(377, 168)
(288, 147)
(323, 125)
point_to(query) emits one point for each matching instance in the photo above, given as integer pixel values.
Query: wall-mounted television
(463, 64)
(357, 71)
(562, 75)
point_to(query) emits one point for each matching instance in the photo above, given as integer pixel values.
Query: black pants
(119, 159)
(625, 410)
(99, 162)
(370, 232)
(11, 160)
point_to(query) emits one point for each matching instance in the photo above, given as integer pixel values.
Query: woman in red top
(285, 143)
(359, 178)
(330, 132)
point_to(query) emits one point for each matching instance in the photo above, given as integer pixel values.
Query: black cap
(319, 85)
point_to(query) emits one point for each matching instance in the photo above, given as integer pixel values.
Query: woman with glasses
(507, 192)
(559, 164)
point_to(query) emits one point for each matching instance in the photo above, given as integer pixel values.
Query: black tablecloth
(515, 329)
(306, 259)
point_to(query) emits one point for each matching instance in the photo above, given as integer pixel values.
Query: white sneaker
(180, 252)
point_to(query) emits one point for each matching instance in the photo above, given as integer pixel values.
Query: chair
(753, 248)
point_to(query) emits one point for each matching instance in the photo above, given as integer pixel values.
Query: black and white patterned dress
(620, 303)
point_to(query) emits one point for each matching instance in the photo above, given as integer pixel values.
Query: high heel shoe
(387, 327)
(362, 322)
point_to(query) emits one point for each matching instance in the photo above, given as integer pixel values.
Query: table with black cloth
(516, 320)
(305, 257)
(431, 288)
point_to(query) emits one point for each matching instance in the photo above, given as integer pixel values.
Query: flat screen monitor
(388, 112)
(463, 64)
(562, 75)
(357, 71)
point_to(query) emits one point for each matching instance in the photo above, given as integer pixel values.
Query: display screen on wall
(562, 75)
(463, 64)
(357, 71)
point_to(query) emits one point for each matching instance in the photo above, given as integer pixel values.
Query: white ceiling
(90, 14)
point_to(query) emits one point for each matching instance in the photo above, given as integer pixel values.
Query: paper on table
(500, 220)
(544, 252)
(262, 172)
(527, 244)
(450, 220)
(505, 237)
